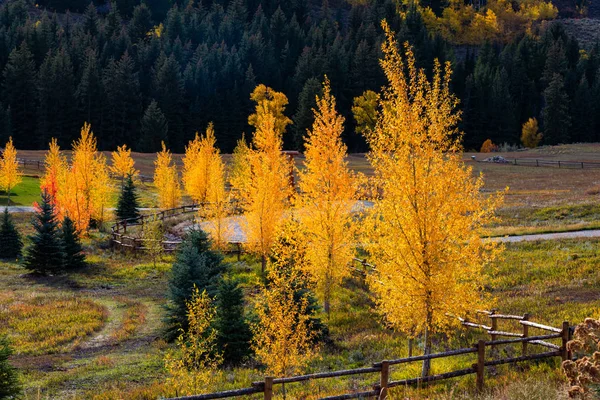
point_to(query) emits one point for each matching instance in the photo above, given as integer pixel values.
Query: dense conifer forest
(143, 72)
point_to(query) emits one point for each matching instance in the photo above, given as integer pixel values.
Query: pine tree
(195, 264)
(44, 255)
(556, 112)
(303, 118)
(234, 334)
(10, 238)
(141, 22)
(73, 256)
(155, 129)
(127, 205)
(9, 381)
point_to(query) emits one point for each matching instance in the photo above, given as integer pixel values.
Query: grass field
(112, 347)
(117, 346)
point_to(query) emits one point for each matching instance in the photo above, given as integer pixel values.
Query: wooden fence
(121, 239)
(483, 359)
(534, 162)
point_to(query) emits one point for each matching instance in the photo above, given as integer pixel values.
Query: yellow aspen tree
(122, 164)
(268, 190)
(218, 208)
(192, 367)
(87, 188)
(328, 195)
(56, 167)
(200, 156)
(10, 173)
(284, 334)
(166, 180)
(424, 235)
(240, 172)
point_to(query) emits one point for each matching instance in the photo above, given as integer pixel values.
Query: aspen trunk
(426, 363)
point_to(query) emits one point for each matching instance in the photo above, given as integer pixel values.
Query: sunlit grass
(40, 324)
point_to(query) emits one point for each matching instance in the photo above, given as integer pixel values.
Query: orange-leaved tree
(56, 168)
(166, 180)
(122, 163)
(10, 174)
(85, 188)
(268, 189)
(424, 230)
(328, 194)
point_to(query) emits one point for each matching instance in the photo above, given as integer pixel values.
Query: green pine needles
(128, 205)
(9, 381)
(11, 243)
(54, 248)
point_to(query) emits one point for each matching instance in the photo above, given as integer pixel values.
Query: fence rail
(121, 239)
(536, 162)
(380, 389)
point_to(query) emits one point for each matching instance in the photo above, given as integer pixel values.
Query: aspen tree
(268, 188)
(328, 195)
(166, 180)
(122, 164)
(285, 332)
(200, 156)
(10, 174)
(85, 188)
(56, 167)
(424, 231)
(240, 172)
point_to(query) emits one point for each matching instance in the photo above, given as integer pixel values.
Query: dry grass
(38, 324)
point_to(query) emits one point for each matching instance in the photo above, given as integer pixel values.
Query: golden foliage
(240, 173)
(488, 147)
(499, 20)
(283, 335)
(530, 136)
(364, 110)
(201, 157)
(328, 195)
(584, 373)
(84, 187)
(192, 366)
(423, 234)
(122, 163)
(10, 174)
(267, 189)
(56, 167)
(166, 180)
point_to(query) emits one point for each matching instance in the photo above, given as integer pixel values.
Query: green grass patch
(24, 194)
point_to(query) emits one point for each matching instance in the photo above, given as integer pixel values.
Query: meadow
(105, 339)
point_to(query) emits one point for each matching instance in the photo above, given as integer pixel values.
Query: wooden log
(527, 339)
(525, 333)
(540, 326)
(429, 356)
(329, 374)
(480, 366)
(384, 380)
(501, 333)
(564, 352)
(505, 316)
(268, 388)
(523, 358)
(473, 325)
(221, 395)
(546, 344)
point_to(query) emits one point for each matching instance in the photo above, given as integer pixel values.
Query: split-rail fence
(531, 334)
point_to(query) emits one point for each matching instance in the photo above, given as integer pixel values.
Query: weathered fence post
(268, 387)
(525, 332)
(384, 380)
(480, 366)
(494, 329)
(564, 352)
(239, 251)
